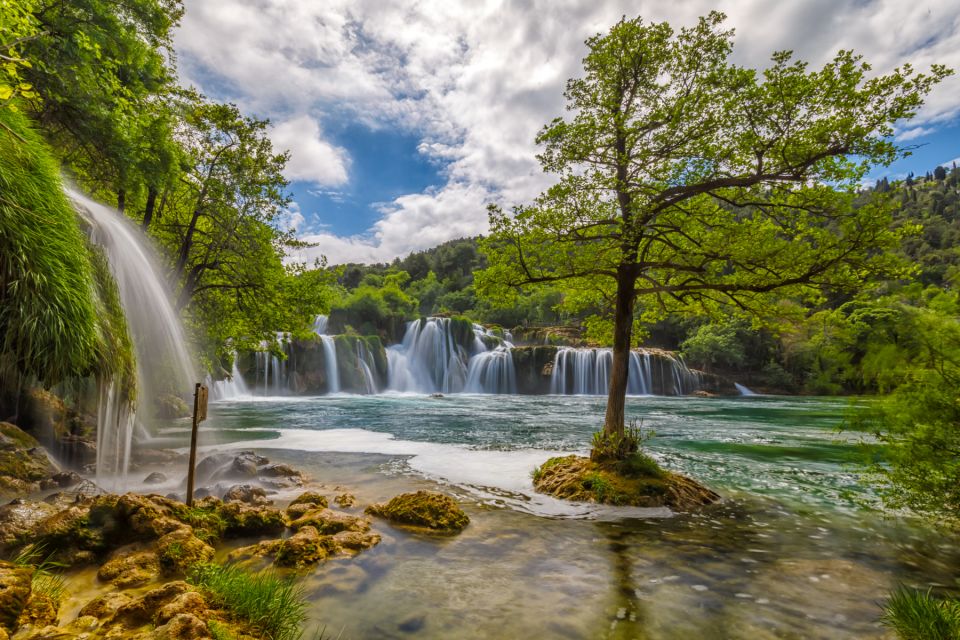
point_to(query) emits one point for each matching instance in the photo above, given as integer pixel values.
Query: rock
(329, 522)
(276, 470)
(84, 624)
(241, 519)
(426, 509)
(188, 602)
(180, 550)
(19, 517)
(15, 585)
(76, 451)
(436, 395)
(130, 568)
(305, 548)
(143, 610)
(41, 611)
(103, 607)
(183, 626)
(412, 624)
(88, 488)
(155, 478)
(345, 500)
(67, 532)
(353, 542)
(246, 493)
(258, 550)
(66, 479)
(22, 461)
(243, 468)
(305, 502)
(210, 465)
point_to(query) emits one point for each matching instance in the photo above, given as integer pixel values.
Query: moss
(425, 509)
(461, 330)
(115, 353)
(644, 484)
(207, 522)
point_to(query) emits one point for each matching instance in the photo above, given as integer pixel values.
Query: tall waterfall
(271, 369)
(164, 365)
(586, 371)
(437, 356)
(330, 354)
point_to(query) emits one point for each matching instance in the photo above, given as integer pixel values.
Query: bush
(274, 606)
(917, 615)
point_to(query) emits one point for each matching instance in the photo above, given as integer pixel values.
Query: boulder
(305, 548)
(155, 478)
(144, 609)
(103, 607)
(353, 542)
(241, 519)
(15, 585)
(329, 522)
(179, 550)
(130, 568)
(246, 493)
(183, 626)
(307, 501)
(345, 500)
(19, 517)
(23, 463)
(170, 407)
(187, 602)
(424, 509)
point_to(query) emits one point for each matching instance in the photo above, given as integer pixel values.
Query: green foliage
(714, 345)
(48, 322)
(917, 615)
(613, 446)
(17, 27)
(640, 465)
(46, 581)
(273, 605)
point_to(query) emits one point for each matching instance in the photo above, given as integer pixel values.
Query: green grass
(918, 615)
(640, 465)
(208, 524)
(600, 486)
(273, 605)
(537, 473)
(45, 582)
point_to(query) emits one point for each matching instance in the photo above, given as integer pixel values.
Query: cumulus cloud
(476, 80)
(312, 159)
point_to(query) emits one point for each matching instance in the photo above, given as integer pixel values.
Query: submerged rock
(329, 522)
(426, 509)
(636, 481)
(246, 493)
(305, 548)
(345, 500)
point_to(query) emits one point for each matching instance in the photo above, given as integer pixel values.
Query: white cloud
(476, 80)
(312, 159)
(916, 132)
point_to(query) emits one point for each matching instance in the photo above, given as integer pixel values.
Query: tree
(940, 174)
(685, 180)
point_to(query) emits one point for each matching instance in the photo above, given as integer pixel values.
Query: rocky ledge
(636, 481)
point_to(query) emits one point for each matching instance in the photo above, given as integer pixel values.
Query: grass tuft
(45, 582)
(273, 605)
(918, 615)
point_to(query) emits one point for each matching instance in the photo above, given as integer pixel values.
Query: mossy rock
(180, 550)
(241, 519)
(15, 586)
(329, 522)
(303, 549)
(424, 509)
(637, 481)
(22, 461)
(130, 569)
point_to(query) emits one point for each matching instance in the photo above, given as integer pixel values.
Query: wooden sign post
(199, 415)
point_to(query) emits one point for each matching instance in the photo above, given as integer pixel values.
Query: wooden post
(199, 415)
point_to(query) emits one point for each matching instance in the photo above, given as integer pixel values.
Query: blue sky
(404, 119)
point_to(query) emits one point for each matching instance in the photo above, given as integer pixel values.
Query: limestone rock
(188, 602)
(41, 611)
(15, 585)
(130, 568)
(183, 626)
(241, 519)
(329, 522)
(345, 500)
(19, 517)
(303, 549)
(353, 542)
(143, 610)
(180, 550)
(426, 509)
(103, 607)
(246, 493)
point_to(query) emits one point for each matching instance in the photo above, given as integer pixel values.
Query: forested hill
(824, 351)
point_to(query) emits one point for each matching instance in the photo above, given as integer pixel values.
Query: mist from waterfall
(164, 365)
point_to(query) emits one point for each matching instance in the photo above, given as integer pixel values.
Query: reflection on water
(790, 554)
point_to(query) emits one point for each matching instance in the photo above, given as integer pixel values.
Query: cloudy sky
(405, 118)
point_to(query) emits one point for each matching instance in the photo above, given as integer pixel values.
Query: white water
(586, 371)
(329, 353)
(232, 387)
(164, 365)
(744, 391)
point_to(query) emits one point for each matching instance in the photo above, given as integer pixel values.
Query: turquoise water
(792, 552)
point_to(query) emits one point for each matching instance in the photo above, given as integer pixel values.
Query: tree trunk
(121, 199)
(622, 338)
(187, 243)
(148, 210)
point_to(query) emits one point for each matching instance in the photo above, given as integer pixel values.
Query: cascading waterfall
(271, 369)
(492, 372)
(586, 371)
(365, 364)
(329, 353)
(232, 387)
(164, 365)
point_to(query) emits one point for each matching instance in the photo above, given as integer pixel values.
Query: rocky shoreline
(147, 549)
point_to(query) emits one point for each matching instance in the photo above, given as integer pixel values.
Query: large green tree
(686, 180)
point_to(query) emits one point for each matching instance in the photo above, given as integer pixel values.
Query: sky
(404, 119)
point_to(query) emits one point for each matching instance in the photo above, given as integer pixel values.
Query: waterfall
(743, 390)
(232, 387)
(365, 364)
(442, 355)
(270, 369)
(164, 365)
(586, 371)
(329, 354)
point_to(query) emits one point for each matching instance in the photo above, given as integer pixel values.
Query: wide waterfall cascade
(164, 365)
(431, 359)
(330, 354)
(586, 371)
